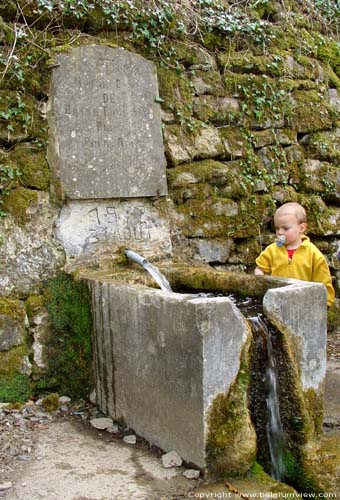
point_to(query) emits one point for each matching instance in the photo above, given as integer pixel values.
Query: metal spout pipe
(135, 257)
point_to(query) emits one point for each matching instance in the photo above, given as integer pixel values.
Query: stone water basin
(175, 367)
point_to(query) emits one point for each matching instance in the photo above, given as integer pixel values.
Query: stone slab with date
(87, 228)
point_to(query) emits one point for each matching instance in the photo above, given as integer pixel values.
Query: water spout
(135, 257)
(160, 279)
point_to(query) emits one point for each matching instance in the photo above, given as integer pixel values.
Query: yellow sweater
(307, 264)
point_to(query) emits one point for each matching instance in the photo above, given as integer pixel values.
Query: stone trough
(165, 362)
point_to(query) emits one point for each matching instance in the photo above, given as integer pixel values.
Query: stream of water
(275, 434)
(160, 279)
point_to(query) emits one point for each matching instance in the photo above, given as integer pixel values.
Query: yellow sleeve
(321, 274)
(264, 260)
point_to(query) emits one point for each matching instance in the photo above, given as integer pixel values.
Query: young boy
(293, 255)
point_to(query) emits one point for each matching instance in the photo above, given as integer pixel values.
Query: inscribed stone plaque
(105, 127)
(93, 227)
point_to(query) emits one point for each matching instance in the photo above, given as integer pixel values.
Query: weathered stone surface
(262, 138)
(130, 439)
(29, 251)
(171, 459)
(233, 142)
(215, 109)
(86, 228)
(334, 100)
(308, 112)
(208, 143)
(178, 146)
(101, 423)
(302, 309)
(42, 335)
(166, 357)
(13, 322)
(321, 177)
(105, 127)
(324, 145)
(211, 251)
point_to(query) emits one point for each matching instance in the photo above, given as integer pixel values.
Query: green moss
(13, 308)
(309, 112)
(314, 403)
(176, 92)
(321, 220)
(333, 318)
(246, 62)
(205, 278)
(18, 201)
(329, 53)
(231, 443)
(68, 303)
(32, 164)
(51, 402)
(15, 389)
(11, 361)
(33, 304)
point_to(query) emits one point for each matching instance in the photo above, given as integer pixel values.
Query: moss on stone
(51, 402)
(15, 389)
(176, 92)
(231, 439)
(18, 201)
(34, 303)
(20, 117)
(204, 278)
(328, 52)
(248, 63)
(314, 403)
(33, 166)
(13, 308)
(309, 112)
(70, 367)
(11, 362)
(223, 216)
(210, 82)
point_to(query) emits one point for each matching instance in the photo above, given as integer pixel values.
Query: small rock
(191, 474)
(131, 439)
(5, 486)
(101, 423)
(64, 400)
(114, 429)
(171, 459)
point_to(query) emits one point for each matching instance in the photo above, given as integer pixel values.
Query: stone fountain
(175, 367)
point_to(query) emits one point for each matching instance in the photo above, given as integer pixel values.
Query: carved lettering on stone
(105, 125)
(89, 227)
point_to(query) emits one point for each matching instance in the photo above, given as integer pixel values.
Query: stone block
(13, 322)
(105, 127)
(301, 308)
(161, 359)
(89, 227)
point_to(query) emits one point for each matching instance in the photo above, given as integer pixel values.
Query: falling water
(160, 279)
(275, 434)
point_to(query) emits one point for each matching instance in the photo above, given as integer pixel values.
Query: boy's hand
(258, 271)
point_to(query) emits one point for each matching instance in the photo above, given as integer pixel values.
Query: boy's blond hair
(294, 209)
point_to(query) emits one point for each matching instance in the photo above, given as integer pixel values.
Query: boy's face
(287, 225)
